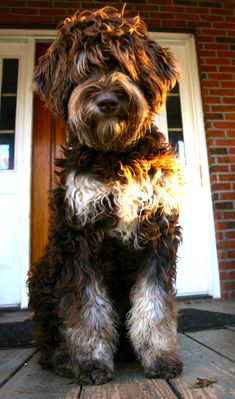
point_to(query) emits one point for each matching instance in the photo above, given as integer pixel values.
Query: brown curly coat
(110, 263)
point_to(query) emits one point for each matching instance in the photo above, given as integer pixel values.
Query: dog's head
(106, 77)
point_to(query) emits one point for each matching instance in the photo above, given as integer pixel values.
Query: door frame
(15, 183)
(31, 37)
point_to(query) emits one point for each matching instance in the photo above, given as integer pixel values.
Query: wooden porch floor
(208, 355)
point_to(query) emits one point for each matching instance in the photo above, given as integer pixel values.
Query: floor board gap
(80, 392)
(174, 389)
(18, 368)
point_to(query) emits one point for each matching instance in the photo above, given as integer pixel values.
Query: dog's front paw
(62, 364)
(92, 372)
(164, 368)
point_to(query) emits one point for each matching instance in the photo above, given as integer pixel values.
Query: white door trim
(31, 37)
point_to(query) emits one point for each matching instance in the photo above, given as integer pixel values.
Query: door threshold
(10, 309)
(200, 297)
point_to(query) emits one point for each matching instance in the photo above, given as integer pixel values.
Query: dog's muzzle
(108, 112)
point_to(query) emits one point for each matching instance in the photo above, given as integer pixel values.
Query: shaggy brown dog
(111, 256)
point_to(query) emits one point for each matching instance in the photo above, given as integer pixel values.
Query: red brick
(208, 68)
(220, 12)
(189, 17)
(232, 255)
(228, 68)
(228, 100)
(222, 92)
(219, 168)
(41, 4)
(226, 177)
(67, 4)
(224, 142)
(27, 11)
(215, 133)
(12, 19)
(223, 108)
(227, 285)
(227, 84)
(206, 38)
(213, 18)
(228, 295)
(229, 215)
(224, 275)
(224, 125)
(227, 54)
(217, 61)
(229, 117)
(41, 19)
(232, 273)
(206, 53)
(213, 32)
(217, 47)
(230, 234)
(227, 265)
(227, 195)
(212, 100)
(220, 76)
(198, 10)
(160, 15)
(13, 3)
(168, 8)
(223, 25)
(54, 11)
(225, 225)
(231, 150)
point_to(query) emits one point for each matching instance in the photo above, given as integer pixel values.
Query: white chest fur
(87, 198)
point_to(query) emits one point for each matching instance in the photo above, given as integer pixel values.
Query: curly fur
(110, 264)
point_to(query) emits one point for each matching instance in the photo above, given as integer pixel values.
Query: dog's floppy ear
(163, 71)
(51, 79)
(168, 67)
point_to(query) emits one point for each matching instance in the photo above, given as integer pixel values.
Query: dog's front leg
(152, 323)
(90, 336)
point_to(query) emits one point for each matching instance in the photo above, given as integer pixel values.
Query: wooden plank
(231, 328)
(11, 360)
(129, 383)
(201, 362)
(222, 341)
(74, 393)
(34, 382)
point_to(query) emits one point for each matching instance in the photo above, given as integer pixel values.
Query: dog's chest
(90, 199)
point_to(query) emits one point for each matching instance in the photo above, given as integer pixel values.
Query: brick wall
(213, 23)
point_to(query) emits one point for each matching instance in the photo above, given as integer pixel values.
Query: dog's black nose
(107, 102)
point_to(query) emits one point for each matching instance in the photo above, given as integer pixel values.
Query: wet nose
(107, 102)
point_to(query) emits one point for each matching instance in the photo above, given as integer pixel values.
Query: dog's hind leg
(43, 303)
(152, 325)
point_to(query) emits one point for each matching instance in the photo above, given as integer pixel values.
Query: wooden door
(49, 134)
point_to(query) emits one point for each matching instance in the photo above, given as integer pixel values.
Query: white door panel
(14, 172)
(197, 272)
